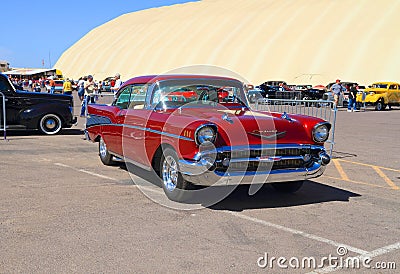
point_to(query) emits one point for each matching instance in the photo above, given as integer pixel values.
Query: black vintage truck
(48, 113)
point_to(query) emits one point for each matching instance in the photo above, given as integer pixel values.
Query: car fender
(373, 98)
(30, 116)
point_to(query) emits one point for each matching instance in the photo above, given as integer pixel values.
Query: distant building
(34, 73)
(4, 66)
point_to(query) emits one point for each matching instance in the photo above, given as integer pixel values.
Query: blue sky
(32, 31)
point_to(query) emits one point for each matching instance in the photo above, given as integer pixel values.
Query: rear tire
(173, 184)
(105, 157)
(50, 124)
(288, 187)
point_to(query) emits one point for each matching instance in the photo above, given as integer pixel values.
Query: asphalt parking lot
(63, 211)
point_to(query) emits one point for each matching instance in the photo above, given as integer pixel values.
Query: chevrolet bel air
(201, 130)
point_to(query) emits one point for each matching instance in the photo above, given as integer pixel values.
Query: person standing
(352, 98)
(81, 87)
(337, 90)
(67, 87)
(117, 85)
(90, 88)
(52, 85)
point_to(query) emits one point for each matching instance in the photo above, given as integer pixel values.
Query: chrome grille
(249, 160)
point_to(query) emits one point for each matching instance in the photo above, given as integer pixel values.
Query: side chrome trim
(95, 120)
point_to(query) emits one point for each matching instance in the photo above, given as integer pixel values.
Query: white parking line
(298, 232)
(158, 191)
(87, 172)
(370, 255)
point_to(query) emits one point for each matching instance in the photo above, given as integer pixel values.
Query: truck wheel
(174, 186)
(380, 105)
(105, 157)
(288, 187)
(50, 124)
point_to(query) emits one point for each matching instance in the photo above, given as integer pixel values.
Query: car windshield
(379, 86)
(177, 93)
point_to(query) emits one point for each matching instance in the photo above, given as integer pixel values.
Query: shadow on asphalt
(266, 197)
(341, 155)
(23, 132)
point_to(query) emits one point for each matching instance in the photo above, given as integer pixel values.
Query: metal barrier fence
(3, 115)
(322, 109)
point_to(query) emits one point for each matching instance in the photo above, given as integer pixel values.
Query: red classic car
(183, 129)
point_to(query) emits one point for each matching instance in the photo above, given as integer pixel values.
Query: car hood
(243, 126)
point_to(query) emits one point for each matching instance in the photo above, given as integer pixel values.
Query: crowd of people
(87, 88)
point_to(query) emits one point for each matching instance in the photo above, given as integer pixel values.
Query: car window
(176, 93)
(138, 96)
(124, 98)
(392, 87)
(379, 86)
(131, 95)
(4, 85)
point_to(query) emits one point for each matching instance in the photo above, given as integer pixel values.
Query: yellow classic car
(380, 95)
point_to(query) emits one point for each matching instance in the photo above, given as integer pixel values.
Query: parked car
(48, 113)
(275, 83)
(381, 94)
(313, 94)
(254, 95)
(106, 84)
(204, 140)
(58, 86)
(268, 91)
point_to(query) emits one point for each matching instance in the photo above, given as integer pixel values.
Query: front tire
(288, 187)
(173, 184)
(50, 124)
(380, 105)
(105, 157)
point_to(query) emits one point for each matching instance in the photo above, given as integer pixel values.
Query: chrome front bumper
(201, 171)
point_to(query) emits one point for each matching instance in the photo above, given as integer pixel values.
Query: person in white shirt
(118, 83)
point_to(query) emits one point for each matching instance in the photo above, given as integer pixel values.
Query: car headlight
(321, 132)
(205, 133)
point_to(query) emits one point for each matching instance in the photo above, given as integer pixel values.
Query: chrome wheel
(50, 124)
(170, 173)
(105, 156)
(102, 148)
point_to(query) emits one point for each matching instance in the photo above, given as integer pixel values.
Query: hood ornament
(225, 117)
(268, 134)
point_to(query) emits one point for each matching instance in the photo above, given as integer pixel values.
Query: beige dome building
(300, 41)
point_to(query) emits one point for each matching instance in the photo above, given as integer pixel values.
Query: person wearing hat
(337, 89)
(90, 88)
(118, 83)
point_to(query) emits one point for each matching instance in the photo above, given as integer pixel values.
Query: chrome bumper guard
(201, 171)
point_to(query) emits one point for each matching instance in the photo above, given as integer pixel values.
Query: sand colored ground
(300, 41)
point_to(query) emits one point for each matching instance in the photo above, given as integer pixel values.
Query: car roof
(385, 83)
(154, 78)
